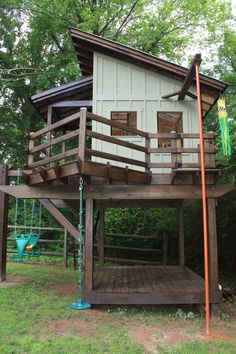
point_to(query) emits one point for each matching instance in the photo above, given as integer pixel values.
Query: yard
(35, 318)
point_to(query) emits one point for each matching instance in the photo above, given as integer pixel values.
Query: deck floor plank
(155, 279)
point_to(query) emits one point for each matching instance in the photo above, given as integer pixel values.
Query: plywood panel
(123, 80)
(123, 86)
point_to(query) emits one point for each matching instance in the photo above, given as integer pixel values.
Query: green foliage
(197, 347)
(36, 51)
(141, 221)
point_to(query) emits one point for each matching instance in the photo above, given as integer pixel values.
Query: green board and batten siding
(121, 86)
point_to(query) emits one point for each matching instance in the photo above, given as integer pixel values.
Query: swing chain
(81, 239)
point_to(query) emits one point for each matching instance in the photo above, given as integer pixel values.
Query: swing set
(27, 243)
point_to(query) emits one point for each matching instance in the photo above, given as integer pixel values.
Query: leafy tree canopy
(36, 51)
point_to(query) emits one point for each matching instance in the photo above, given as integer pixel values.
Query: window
(168, 122)
(127, 118)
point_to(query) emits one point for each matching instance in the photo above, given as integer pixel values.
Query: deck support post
(213, 254)
(88, 245)
(65, 252)
(101, 231)
(3, 223)
(181, 236)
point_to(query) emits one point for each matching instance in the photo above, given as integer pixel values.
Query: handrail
(56, 125)
(106, 121)
(55, 141)
(209, 135)
(81, 150)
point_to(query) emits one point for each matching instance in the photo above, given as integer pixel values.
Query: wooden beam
(137, 203)
(3, 223)
(213, 254)
(56, 125)
(189, 78)
(65, 250)
(60, 217)
(88, 246)
(181, 236)
(124, 192)
(62, 104)
(154, 192)
(82, 138)
(101, 234)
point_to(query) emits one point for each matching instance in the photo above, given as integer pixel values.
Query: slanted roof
(86, 44)
(75, 90)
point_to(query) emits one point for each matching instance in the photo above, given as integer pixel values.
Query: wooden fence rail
(133, 250)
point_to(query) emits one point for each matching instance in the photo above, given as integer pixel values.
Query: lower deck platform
(148, 285)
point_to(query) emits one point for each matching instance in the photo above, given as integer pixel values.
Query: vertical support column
(173, 154)
(49, 122)
(213, 255)
(178, 146)
(88, 245)
(181, 236)
(147, 154)
(65, 253)
(101, 238)
(82, 138)
(30, 154)
(3, 222)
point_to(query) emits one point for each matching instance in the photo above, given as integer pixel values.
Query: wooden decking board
(148, 285)
(147, 279)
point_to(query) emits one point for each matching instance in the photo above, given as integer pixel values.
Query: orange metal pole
(204, 201)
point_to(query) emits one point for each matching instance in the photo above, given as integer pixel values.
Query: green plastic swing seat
(26, 246)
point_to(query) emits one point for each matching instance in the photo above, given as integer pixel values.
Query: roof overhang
(73, 91)
(86, 44)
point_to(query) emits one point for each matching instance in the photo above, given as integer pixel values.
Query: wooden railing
(176, 147)
(80, 149)
(53, 145)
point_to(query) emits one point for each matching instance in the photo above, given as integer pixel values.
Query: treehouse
(130, 128)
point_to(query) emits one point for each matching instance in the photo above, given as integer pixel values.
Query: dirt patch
(74, 326)
(62, 289)
(175, 333)
(82, 326)
(11, 282)
(164, 334)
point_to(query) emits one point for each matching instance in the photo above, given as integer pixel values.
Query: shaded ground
(35, 318)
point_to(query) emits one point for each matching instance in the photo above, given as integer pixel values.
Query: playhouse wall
(122, 86)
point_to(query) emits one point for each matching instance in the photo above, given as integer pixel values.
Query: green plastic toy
(27, 246)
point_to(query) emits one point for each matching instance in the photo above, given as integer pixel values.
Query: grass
(29, 307)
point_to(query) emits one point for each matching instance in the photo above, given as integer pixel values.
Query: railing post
(178, 146)
(173, 146)
(147, 154)
(82, 138)
(30, 155)
(49, 122)
(210, 141)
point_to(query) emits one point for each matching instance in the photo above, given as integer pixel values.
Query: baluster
(30, 154)
(173, 146)
(82, 138)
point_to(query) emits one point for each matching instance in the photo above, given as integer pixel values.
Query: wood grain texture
(148, 285)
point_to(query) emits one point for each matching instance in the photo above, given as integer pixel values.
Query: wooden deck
(148, 285)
